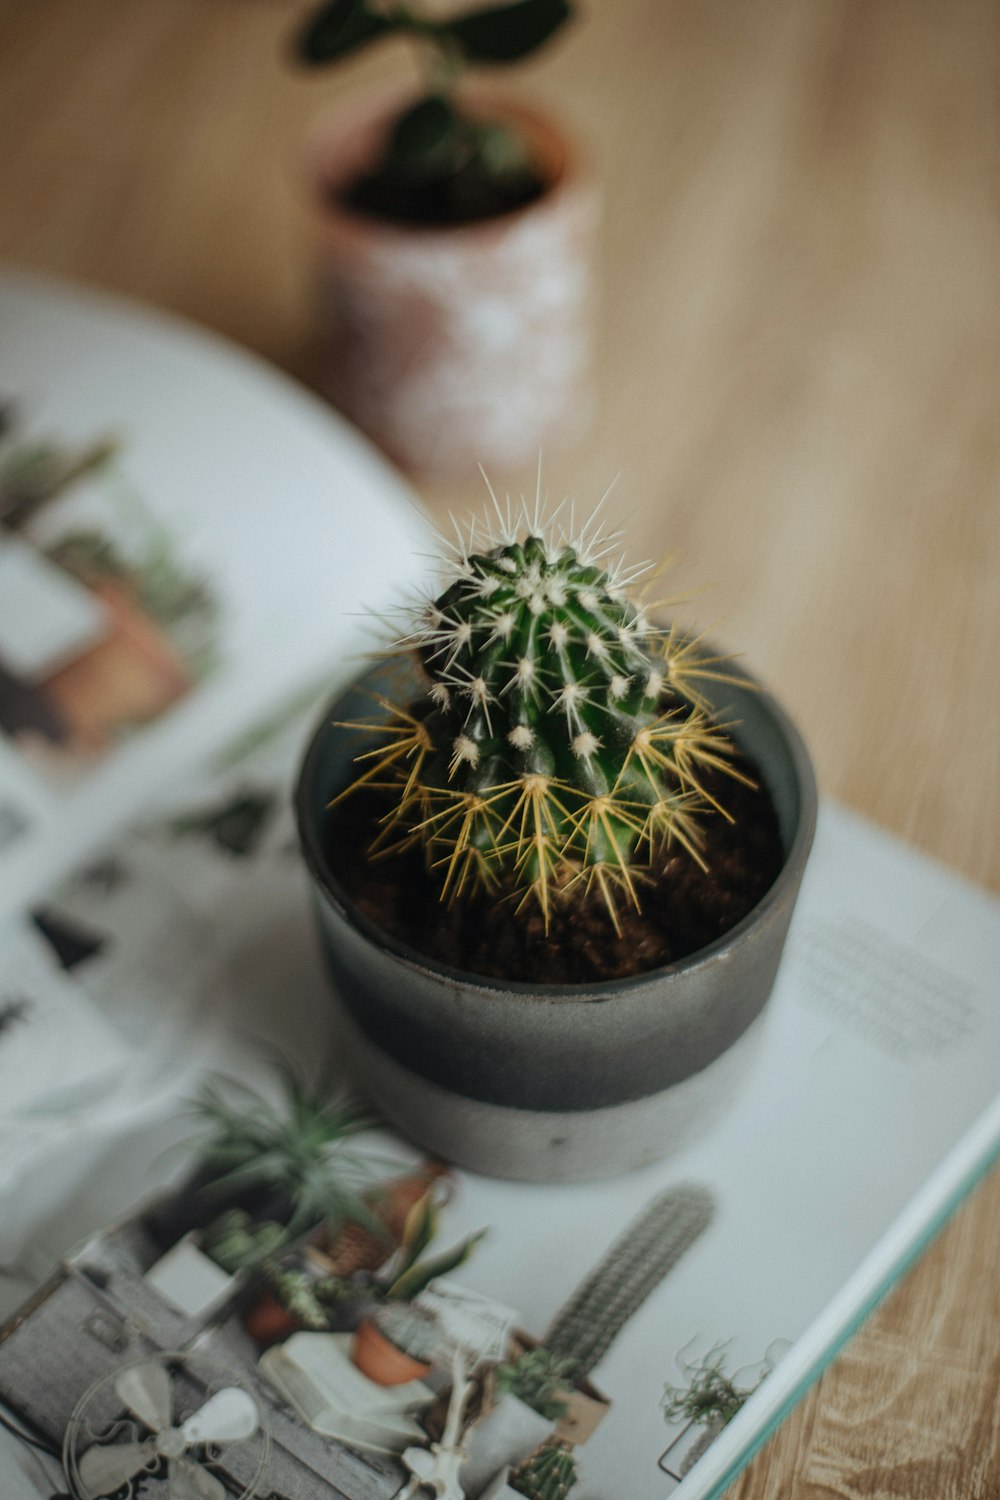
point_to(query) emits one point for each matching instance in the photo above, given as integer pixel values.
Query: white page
(46, 616)
(827, 1170)
(254, 528)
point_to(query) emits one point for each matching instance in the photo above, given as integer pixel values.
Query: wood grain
(799, 351)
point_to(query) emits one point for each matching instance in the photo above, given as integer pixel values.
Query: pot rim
(334, 158)
(519, 990)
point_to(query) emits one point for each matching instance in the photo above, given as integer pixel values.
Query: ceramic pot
(508, 1432)
(381, 1360)
(541, 1082)
(464, 344)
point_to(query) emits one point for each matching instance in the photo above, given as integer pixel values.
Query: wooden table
(800, 351)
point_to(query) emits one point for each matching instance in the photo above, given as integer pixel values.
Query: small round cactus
(560, 744)
(547, 1474)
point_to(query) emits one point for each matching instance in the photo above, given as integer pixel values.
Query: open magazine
(690, 1302)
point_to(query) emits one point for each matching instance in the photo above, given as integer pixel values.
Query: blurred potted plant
(153, 640)
(549, 1474)
(267, 1174)
(579, 879)
(707, 1403)
(327, 1283)
(291, 1163)
(545, 1385)
(527, 1395)
(398, 1341)
(456, 233)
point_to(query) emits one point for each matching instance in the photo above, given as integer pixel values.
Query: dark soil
(683, 907)
(463, 198)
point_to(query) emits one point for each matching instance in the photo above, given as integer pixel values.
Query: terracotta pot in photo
(381, 1360)
(457, 345)
(268, 1321)
(131, 677)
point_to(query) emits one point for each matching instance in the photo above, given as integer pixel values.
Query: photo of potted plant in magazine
(149, 559)
(313, 1183)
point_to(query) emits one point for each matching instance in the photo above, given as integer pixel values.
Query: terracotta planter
(381, 1360)
(269, 1321)
(130, 678)
(459, 345)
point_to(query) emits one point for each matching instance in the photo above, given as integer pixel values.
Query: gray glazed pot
(541, 1082)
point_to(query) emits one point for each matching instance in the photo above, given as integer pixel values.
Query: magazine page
(693, 1299)
(185, 536)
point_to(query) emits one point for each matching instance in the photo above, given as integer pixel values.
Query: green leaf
(506, 33)
(421, 131)
(418, 1277)
(337, 29)
(421, 1226)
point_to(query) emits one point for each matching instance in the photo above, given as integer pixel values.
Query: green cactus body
(234, 1241)
(561, 742)
(634, 1266)
(539, 1379)
(547, 1474)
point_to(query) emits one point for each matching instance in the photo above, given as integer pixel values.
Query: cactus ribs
(684, 906)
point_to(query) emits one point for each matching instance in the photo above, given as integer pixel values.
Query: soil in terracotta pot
(683, 907)
(463, 199)
(459, 188)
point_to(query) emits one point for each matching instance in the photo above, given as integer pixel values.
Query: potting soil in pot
(684, 907)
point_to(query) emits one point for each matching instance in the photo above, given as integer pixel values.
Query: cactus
(561, 743)
(234, 1241)
(636, 1263)
(412, 1328)
(309, 1299)
(547, 1474)
(538, 1378)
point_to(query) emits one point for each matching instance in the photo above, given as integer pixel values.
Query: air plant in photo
(711, 1398)
(706, 1404)
(560, 744)
(299, 1157)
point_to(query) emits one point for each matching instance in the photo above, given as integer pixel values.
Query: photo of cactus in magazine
(395, 1326)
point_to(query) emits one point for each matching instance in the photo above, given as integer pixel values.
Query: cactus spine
(561, 742)
(547, 1474)
(634, 1266)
